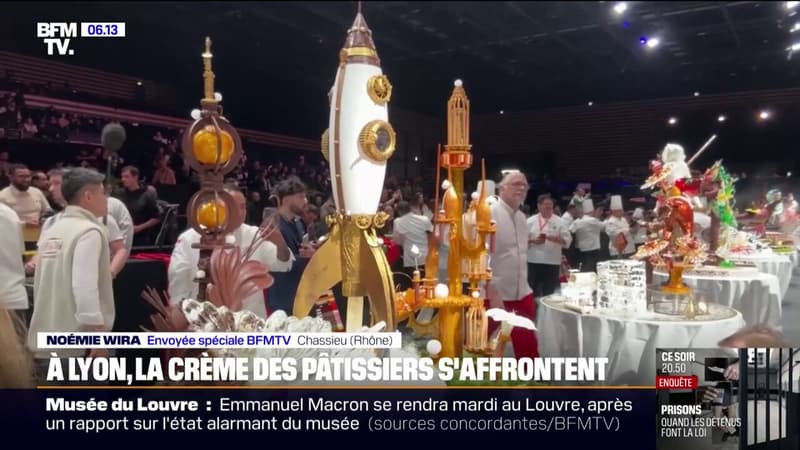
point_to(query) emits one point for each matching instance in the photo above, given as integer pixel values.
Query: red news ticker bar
(676, 381)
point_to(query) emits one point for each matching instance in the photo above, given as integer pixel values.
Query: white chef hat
(638, 214)
(588, 206)
(616, 203)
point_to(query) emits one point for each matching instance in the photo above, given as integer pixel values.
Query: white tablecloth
(779, 265)
(630, 344)
(756, 295)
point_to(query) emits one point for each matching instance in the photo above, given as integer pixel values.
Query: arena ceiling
(275, 61)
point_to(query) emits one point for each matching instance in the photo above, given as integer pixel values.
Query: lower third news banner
(697, 404)
(564, 417)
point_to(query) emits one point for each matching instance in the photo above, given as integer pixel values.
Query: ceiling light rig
(672, 121)
(590, 103)
(791, 5)
(721, 118)
(696, 94)
(764, 114)
(620, 8)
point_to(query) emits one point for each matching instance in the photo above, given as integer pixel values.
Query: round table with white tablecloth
(779, 265)
(629, 343)
(756, 295)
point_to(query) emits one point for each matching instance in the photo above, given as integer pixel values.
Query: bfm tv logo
(57, 35)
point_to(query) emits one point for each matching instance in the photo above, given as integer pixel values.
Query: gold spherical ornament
(379, 89)
(204, 144)
(325, 144)
(212, 214)
(377, 140)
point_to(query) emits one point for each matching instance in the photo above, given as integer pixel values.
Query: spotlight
(502, 112)
(672, 120)
(788, 174)
(643, 40)
(416, 158)
(721, 118)
(653, 43)
(792, 5)
(795, 47)
(795, 27)
(138, 83)
(696, 94)
(620, 7)
(590, 103)
(764, 115)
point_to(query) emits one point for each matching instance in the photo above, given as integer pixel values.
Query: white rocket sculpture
(357, 144)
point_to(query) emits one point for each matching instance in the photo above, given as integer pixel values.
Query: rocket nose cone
(359, 46)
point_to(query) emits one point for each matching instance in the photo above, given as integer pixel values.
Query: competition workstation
(680, 343)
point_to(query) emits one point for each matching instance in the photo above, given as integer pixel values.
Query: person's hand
(710, 393)
(30, 268)
(538, 240)
(556, 238)
(732, 372)
(307, 251)
(114, 274)
(98, 353)
(137, 229)
(32, 223)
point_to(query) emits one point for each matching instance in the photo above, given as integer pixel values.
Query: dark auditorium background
(562, 90)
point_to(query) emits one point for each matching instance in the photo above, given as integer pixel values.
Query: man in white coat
(547, 237)
(13, 295)
(273, 253)
(620, 240)
(587, 229)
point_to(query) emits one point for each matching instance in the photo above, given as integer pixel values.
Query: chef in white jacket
(12, 274)
(587, 229)
(547, 238)
(273, 253)
(619, 231)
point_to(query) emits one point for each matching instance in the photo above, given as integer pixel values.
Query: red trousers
(523, 340)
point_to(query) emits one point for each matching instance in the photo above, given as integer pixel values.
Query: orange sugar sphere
(205, 146)
(212, 214)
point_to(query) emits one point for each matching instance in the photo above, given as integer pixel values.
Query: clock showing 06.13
(102, 29)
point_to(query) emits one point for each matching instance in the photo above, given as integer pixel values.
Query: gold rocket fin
(321, 274)
(377, 279)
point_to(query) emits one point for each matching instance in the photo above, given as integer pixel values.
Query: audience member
(142, 205)
(292, 200)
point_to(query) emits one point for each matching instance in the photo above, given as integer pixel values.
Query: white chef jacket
(549, 252)
(567, 219)
(615, 226)
(587, 233)
(702, 222)
(12, 273)
(410, 230)
(184, 260)
(640, 235)
(509, 259)
(122, 216)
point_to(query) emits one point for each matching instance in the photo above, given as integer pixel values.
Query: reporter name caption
(48, 341)
(323, 369)
(321, 414)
